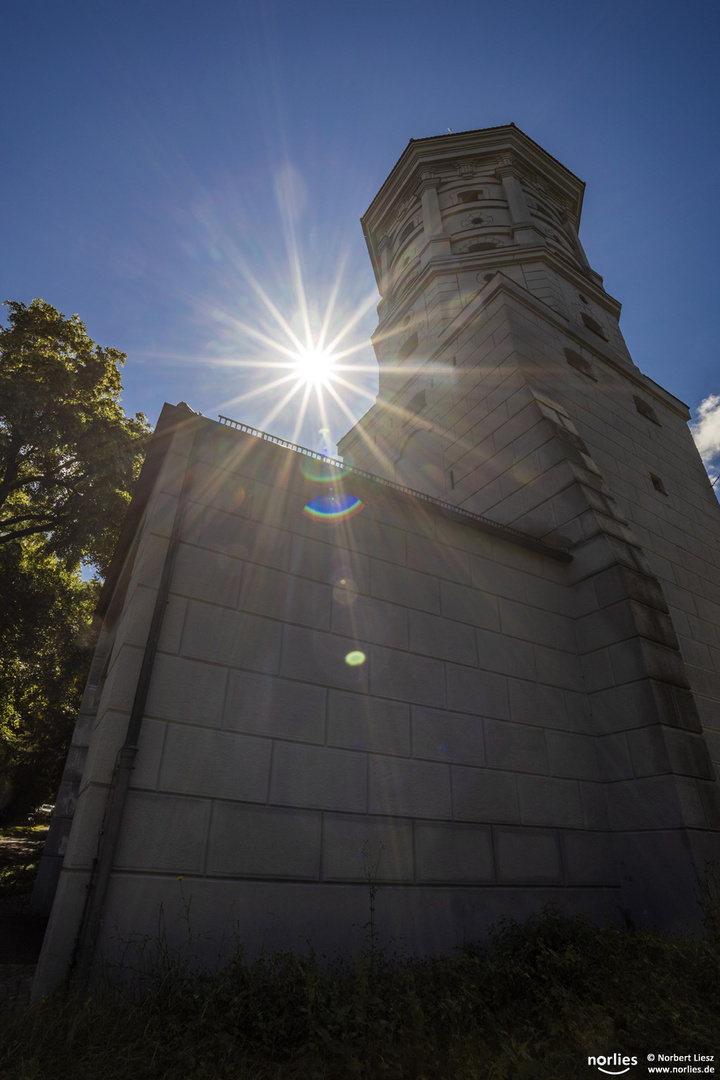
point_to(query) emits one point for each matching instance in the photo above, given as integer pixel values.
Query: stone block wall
(273, 777)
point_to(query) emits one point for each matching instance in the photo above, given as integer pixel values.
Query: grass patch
(530, 1004)
(32, 832)
(18, 880)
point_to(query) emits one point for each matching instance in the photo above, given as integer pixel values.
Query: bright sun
(304, 357)
(314, 366)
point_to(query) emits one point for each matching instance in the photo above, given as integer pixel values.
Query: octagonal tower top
(470, 192)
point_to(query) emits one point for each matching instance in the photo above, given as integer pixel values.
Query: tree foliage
(45, 641)
(68, 453)
(68, 460)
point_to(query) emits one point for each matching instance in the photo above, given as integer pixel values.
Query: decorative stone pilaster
(569, 226)
(437, 245)
(523, 227)
(384, 252)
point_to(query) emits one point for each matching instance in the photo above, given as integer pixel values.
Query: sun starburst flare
(299, 363)
(315, 366)
(292, 352)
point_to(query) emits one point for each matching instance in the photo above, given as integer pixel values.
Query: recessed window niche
(593, 324)
(645, 409)
(575, 360)
(408, 230)
(408, 347)
(481, 245)
(417, 403)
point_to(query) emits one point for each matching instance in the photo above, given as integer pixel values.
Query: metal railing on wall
(458, 513)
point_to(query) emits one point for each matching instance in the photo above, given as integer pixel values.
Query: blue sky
(168, 164)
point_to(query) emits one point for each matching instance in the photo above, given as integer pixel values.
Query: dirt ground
(22, 846)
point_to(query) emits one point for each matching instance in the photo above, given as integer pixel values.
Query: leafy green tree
(45, 640)
(68, 460)
(68, 453)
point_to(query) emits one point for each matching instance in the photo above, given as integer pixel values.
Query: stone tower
(484, 659)
(506, 388)
(461, 218)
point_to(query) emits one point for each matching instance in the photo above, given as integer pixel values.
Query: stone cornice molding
(507, 167)
(426, 179)
(497, 260)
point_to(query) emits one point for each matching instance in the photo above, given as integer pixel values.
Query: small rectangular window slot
(408, 347)
(417, 403)
(406, 232)
(646, 410)
(575, 360)
(593, 324)
(452, 480)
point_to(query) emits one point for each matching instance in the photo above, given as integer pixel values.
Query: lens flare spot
(355, 658)
(332, 508)
(324, 434)
(345, 592)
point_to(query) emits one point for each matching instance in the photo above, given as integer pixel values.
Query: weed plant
(530, 1004)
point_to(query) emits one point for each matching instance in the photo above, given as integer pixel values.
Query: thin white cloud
(706, 430)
